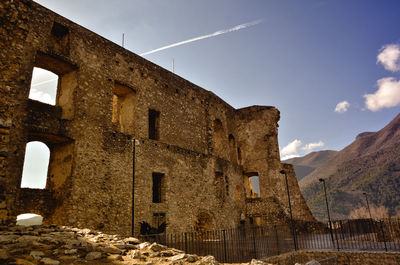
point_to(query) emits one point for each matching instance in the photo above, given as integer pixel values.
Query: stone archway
(204, 222)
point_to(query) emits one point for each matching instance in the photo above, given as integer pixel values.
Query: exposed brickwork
(204, 148)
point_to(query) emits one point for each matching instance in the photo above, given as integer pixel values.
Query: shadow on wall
(28, 219)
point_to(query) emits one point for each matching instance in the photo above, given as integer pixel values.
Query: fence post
(337, 240)
(254, 242)
(223, 234)
(277, 240)
(186, 243)
(383, 234)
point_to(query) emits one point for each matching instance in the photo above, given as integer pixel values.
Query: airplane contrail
(219, 32)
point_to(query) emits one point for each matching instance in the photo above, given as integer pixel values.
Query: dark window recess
(59, 30)
(154, 123)
(158, 219)
(158, 187)
(220, 185)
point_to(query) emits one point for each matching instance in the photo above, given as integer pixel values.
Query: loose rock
(313, 262)
(132, 240)
(36, 254)
(178, 257)
(50, 261)
(3, 254)
(209, 260)
(136, 254)
(93, 255)
(157, 247)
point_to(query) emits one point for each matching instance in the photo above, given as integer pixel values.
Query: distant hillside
(34, 220)
(370, 164)
(307, 164)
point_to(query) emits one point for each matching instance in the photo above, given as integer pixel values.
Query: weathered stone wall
(104, 148)
(343, 258)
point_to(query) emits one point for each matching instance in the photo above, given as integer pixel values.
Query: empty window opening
(43, 86)
(239, 154)
(158, 219)
(59, 30)
(204, 222)
(232, 148)
(219, 138)
(58, 42)
(252, 185)
(154, 123)
(28, 219)
(124, 106)
(158, 188)
(251, 221)
(255, 221)
(36, 164)
(55, 89)
(255, 186)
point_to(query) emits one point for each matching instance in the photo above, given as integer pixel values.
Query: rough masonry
(129, 141)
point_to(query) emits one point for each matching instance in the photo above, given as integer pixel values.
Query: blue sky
(304, 58)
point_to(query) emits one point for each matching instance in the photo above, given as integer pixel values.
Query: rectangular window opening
(158, 219)
(123, 108)
(154, 123)
(253, 185)
(158, 188)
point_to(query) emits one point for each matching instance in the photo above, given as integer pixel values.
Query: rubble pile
(66, 245)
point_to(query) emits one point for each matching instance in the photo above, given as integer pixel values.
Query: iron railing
(257, 242)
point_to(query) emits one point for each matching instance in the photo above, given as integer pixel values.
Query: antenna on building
(123, 39)
(173, 65)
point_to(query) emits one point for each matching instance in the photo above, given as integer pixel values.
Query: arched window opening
(36, 164)
(220, 185)
(219, 138)
(232, 148)
(28, 219)
(43, 86)
(204, 222)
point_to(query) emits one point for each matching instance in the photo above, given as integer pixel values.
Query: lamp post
(369, 210)
(327, 209)
(290, 210)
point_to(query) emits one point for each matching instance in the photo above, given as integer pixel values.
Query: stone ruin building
(129, 141)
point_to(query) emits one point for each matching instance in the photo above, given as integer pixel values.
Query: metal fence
(247, 242)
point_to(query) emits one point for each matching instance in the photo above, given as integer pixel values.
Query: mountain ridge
(371, 164)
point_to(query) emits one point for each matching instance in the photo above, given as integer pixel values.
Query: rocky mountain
(370, 164)
(308, 163)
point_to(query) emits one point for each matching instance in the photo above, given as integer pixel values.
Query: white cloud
(309, 147)
(389, 57)
(342, 107)
(387, 95)
(288, 157)
(291, 148)
(41, 96)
